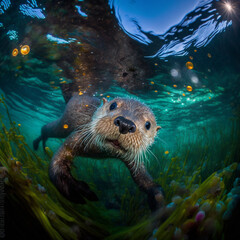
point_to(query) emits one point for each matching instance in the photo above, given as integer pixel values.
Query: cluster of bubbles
(24, 50)
(175, 74)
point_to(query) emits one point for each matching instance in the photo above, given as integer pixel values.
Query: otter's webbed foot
(75, 191)
(37, 141)
(155, 198)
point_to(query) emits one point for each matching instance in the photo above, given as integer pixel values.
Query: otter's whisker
(83, 126)
(86, 136)
(90, 141)
(79, 139)
(82, 137)
(158, 138)
(146, 160)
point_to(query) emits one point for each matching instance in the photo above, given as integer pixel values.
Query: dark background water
(208, 36)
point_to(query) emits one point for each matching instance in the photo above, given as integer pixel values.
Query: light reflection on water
(197, 29)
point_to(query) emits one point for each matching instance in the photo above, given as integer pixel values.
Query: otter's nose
(125, 125)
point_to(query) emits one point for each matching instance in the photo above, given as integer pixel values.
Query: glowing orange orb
(65, 126)
(15, 52)
(209, 55)
(174, 85)
(184, 94)
(18, 163)
(189, 65)
(189, 88)
(166, 152)
(25, 50)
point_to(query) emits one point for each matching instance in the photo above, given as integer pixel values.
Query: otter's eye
(113, 106)
(147, 125)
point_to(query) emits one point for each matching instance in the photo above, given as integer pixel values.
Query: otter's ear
(104, 100)
(158, 128)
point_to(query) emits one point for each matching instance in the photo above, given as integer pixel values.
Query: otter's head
(125, 128)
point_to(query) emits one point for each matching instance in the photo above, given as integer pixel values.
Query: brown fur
(94, 134)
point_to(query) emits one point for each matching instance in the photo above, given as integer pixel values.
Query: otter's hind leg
(60, 175)
(51, 130)
(36, 143)
(45, 134)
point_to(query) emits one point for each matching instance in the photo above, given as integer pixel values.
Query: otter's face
(126, 126)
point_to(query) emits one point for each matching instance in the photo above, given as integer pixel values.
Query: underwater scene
(120, 119)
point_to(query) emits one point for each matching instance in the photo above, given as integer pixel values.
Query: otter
(122, 128)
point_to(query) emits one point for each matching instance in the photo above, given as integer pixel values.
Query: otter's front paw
(155, 198)
(79, 189)
(75, 191)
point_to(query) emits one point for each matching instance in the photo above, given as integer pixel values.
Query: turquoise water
(73, 44)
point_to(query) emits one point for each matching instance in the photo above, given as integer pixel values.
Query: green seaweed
(25, 170)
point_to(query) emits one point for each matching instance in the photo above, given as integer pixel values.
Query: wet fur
(90, 134)
(76, 114)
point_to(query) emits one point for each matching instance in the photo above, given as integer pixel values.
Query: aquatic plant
(28, 183)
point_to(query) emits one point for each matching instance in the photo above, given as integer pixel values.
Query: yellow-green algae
(56, 214)
(60, 218)
(210, 191)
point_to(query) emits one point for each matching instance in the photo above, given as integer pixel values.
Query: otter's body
(78, 111)
(122, 128)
